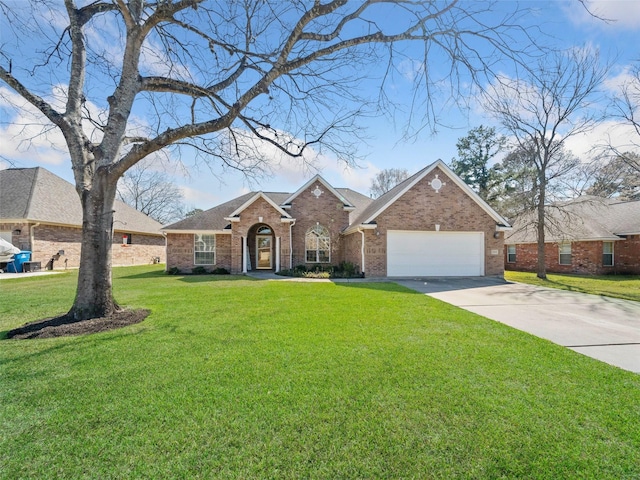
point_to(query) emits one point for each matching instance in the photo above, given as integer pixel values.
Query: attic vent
(316, 192)
(437, 184)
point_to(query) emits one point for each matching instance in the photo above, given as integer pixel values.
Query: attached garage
(434, 254)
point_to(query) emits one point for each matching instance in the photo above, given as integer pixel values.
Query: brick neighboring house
(432, 224)
(40, 212)
(588, 235)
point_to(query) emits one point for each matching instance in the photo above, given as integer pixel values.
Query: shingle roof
(214, 218)
(358, 200)
(583, 218)
(623, 218)
(363, 207)
(36, 194)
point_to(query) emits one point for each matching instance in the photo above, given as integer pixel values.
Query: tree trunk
(542, 269)
(94, 296)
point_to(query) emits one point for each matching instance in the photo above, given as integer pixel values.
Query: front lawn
(238, 378)
(617, 286)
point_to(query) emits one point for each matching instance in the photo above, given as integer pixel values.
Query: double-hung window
(318, 245)
(565, 253)
(607, 254)
(204, 249)
(511, 254)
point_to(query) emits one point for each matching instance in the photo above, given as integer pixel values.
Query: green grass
(617, 286)
(238, 378)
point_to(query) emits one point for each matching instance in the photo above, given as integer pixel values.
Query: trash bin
(18, 260)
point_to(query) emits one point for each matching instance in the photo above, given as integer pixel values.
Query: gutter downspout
(291, 224)
(362, 250)
(166, 252)
(244, 254)
(32, 237)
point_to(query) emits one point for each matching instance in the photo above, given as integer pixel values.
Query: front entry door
(263, 252)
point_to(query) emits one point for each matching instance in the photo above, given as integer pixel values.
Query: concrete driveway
(603, 328)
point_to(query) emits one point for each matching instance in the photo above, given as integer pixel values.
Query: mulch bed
(65, 326)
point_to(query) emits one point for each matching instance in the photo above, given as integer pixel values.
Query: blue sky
(565, 24)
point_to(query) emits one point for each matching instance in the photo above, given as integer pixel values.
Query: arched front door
(264, 248)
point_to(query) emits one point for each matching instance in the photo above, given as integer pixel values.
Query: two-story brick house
(432, 224)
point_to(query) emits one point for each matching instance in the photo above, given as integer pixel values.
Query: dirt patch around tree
(65, 326)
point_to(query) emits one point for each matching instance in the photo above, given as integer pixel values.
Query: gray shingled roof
(214, 218)
(623, 218)
(365, 207)
(357, 200)
(36, 194)
(584, 218)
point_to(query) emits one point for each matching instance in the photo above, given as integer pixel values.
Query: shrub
(173, 271)
(220, 271)
(199, 270)
(317, 274)
(298, 270)
(342, 270)
(346, 270)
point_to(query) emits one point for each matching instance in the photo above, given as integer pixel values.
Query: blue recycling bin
(18, 260)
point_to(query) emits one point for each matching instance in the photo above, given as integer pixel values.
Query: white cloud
(623, 78)
(589, 144)
(289, 173)
(198, 198)
(410, 69)
(621, 13)
(26, 135)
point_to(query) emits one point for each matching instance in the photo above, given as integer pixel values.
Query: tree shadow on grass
(379, 286)
(153, 274)
(215, 278)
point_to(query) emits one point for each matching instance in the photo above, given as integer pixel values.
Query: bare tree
(193, 212)
(151, 192)
(386, 179)
(136, 77)
(616, 178)
(540, 112)
(626, 108)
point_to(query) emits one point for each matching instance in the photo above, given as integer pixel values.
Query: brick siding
(586, 257)
(420, 209)
(352, 248)
(326, 210)
(247, 226)
(180, 253)
(48, 240)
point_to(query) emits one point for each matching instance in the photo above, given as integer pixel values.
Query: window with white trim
(607, 254)
(511, 254)
(317, 245)
(204, 249)
(565, 253)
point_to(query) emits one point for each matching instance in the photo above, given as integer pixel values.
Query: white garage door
(435, 254)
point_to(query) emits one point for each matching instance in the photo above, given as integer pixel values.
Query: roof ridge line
(33, 187)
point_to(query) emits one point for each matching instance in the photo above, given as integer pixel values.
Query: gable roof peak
(389, 198)
(253, 198)
(317, 178)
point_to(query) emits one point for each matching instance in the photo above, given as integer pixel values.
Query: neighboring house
(40, 212)
(587, 235)
(432, 224)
